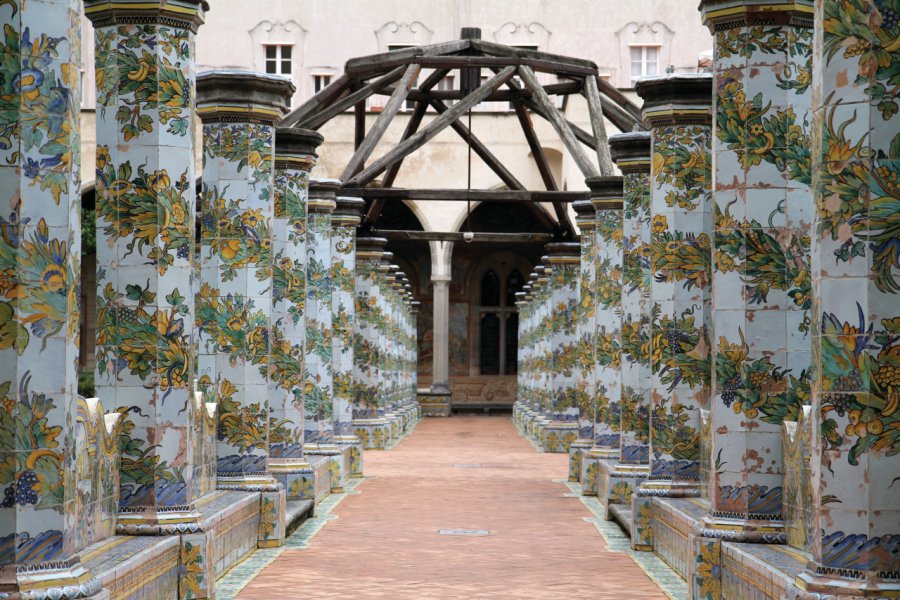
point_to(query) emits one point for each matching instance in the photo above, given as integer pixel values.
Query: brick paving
(386, 543)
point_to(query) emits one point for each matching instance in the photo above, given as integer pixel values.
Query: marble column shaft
(677, 108)
(45, 504)
(631, 152)
(295, 157)
(234, 305)
(856, 311)
(318, 386)
(145, 255)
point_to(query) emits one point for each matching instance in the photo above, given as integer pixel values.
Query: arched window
(498, 322)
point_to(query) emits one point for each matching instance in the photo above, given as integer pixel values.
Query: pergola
(396, 74)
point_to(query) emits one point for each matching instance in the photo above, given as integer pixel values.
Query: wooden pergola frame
(395, 74)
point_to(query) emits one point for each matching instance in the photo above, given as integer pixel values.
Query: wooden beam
(618, 116)
(457, 236)
(381, 123)
(436, 126)
(323, 98)
(448, 195)
(316, 120)
(556, 119)
(619, 98)
(376, 206)
(403, 56)
(495, 49)
(481, 150)
(540, 158)
(359, 124)
(595, 107)
(555, 89)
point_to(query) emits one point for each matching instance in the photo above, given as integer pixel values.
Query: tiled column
(563, 291)
(234, 306)
(145, 250)
(319, 384)
(295, 156)
(585, 331)
(368, 414)
(606, 197)
(677, 108)
(542, 297)
(631, 152)
(762, 213)
(343, 302)
(40, 248)
(856, 303)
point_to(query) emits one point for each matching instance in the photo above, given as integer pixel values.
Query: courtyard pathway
(396, 538)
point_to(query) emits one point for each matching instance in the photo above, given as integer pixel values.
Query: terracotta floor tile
(385, 542)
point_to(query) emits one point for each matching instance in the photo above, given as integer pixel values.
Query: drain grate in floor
(468, 465)
(463, 532)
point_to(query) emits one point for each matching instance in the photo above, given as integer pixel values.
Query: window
(499, 323)
(320, 82)
(644, 62)
(278, 59)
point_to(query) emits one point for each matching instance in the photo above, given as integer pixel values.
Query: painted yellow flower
(230, 249)
(660, 225)
(103, 158)
(252, 218)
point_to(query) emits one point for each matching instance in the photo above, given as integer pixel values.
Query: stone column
(856, 306)
(761, 221)
(631, 152)
(563, 293)
(440, 372)
(295, 156)
(585, 332)
(234, 306)
(145, 253)
(40, 248)
(343, 306)
(677, 108)
(368, 415)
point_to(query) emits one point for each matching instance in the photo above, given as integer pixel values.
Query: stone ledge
(759, 570)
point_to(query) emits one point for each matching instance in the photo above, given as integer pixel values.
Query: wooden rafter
(316, 120)
(446, 195)
(324, 98)
(456, 236)
(595, 107)
(381, 123)
(436, 126)
(562, 127)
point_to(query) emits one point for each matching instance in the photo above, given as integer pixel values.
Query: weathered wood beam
(436, 126)
(456, 236)
(448, 195)
(323, 98)
(316, 120)
(393, 58)
(555, 89)
(534, 144)
(595, 108)
(381, 123)
(559, 123)
(619, 98)
(359, 124)
(495, 49)
(481, 150)
(617, 115)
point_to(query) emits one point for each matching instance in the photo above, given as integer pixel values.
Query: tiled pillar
(856, 303)
(606, 197)
(145, 251)
(631, 152)
(319, 384)
(234, 306)
(368, 414)
(295, 156)
(343, 302)
(677, 108)
(762, 215)
(563, 292)
(585, 331)
(40, 250)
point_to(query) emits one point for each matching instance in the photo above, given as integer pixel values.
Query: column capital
(631, 151)
(185, 14)
(370, 248)
(585, 215)
(607, 192)
(721, 15)
(562, 253)
(242, 96)
(348, 210)
(295, 143)
(676, 99)
(323, 194)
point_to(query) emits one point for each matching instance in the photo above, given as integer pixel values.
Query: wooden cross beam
(316, 120)
(559, 124)
(595, 107)
(381, 123)
(457, 236)
(333, 90)
(422, 137)
(449, 195)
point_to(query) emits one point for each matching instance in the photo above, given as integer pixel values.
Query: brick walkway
(386, 541)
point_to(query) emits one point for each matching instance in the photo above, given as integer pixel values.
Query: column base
(354, 465)
(374, 434)
(617, 482)
(272, 519)
(858, 586)
(577, 450)
(56, 579)
(151, 520)
(558, 436)
(307, 478)
(339, 457)
(247, 482)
